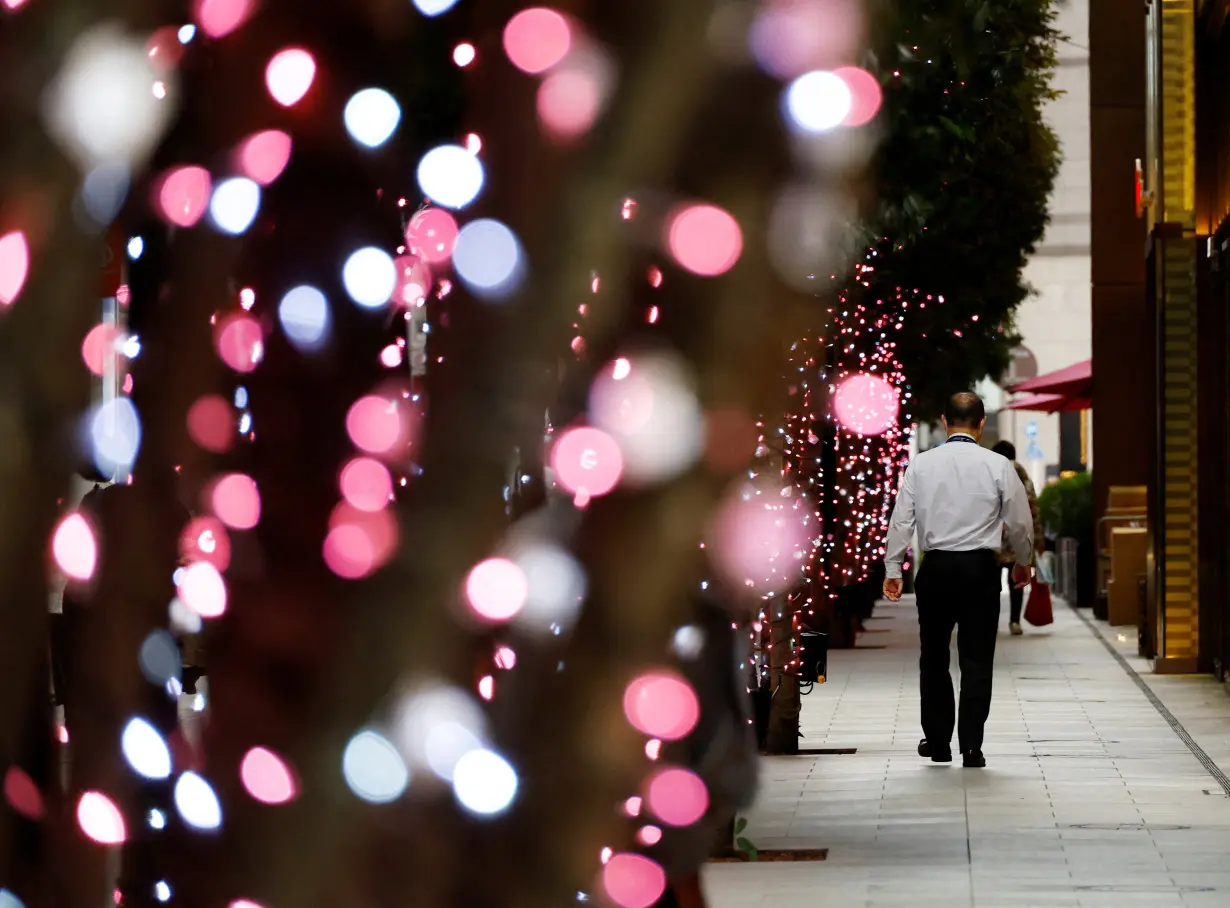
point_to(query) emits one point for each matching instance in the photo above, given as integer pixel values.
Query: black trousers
(957, 590)
(1016, 596)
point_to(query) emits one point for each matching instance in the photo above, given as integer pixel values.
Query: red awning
(1074, 381)
(1050, 403)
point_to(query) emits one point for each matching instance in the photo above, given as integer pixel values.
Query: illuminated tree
(369, 739)
(964, 174)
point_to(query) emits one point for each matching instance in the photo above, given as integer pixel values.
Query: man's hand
(892, 590)
(1022, 576)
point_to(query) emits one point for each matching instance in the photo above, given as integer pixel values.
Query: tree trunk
(783, 737)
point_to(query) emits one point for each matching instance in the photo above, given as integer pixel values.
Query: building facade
(1055, 324)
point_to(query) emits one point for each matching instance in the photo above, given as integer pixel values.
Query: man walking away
(960, 496)
(1007, 558)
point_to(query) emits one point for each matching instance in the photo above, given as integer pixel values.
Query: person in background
(1016, 594)
(959, 497)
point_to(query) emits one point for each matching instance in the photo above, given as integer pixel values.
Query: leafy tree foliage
(965, 171)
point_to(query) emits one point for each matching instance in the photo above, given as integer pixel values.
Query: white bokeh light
(304, 314)
(146, 750)
(556, 588)
(450, 176)
(234, 204)
(436, 725)
(818, 101)
(434, 7)
(136, 246)
(370, 277)
(489, 259)
(373, 769)
(371, 117)
(196, 802)
(115, 435)
(652, 413)
(484, 783)
(100, 109)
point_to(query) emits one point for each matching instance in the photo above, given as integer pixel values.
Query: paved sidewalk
(1090, 799)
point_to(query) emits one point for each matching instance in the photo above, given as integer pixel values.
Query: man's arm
(1017, 516)
(900, 528)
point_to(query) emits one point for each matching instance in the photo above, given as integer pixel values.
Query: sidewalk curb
(1175, 725)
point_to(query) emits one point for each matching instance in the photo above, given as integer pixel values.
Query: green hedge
(1067, 508)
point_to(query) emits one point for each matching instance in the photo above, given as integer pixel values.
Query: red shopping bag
(1038, 610)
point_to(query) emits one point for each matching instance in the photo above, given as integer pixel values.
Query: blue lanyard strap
(963, 439)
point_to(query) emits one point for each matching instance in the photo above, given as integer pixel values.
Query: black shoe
(973, 759)
(934, 754)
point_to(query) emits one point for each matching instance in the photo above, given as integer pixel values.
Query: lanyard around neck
(961, 439)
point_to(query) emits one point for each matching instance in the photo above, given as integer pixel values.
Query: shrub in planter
(1067, 511)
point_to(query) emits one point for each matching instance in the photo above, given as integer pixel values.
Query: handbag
(1038, 609)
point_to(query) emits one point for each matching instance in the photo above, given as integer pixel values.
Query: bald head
(964, 411)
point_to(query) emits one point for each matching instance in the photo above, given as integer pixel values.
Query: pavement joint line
(1175, 725)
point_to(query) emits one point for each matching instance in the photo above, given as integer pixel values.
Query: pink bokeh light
(661, 704)
(678, 797)
(164, 50)
(865, 94)
(74, 547)
(263, 156)
(236, 501)
(289, 75)
(348, 552)
(432, 235)
(633, 880)
(183, 195)
(202, 589)
(98, 346)
(206, 539)
(366, 484)
(756, 541)
(413, 281)
(240, 342)
(537, 39)
(792, 37)
(211, 423)
(704, 239)
(100, 819)
(496, 589)
(374, 424)
(649, 835)
(587, 460)
(14, 266)
(505, 658)
(22, 794)
(379, 528)
(267, 777)
(866, 404)
(391, 356)
(569, 102)
(218, 18)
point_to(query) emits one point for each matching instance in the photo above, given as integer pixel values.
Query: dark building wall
(1123, 348)
(1212, 209)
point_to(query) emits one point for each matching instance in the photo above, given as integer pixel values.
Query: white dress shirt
(960, 496)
